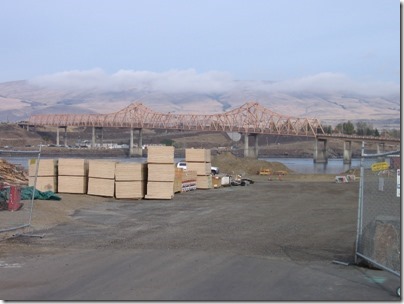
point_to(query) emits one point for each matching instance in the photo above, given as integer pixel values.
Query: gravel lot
(300, 220)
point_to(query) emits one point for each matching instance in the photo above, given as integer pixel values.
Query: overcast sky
(76, 41)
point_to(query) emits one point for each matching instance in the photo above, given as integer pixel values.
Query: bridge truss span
(250, 118)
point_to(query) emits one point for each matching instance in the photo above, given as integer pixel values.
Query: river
(300, 165)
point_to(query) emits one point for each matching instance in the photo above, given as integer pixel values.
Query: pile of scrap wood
(12, 174)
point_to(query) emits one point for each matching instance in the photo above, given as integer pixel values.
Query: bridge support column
(347, 152)
(247, 150)
(58, 135)
(140, 142)
(255, 145)
(136, 151)
(320, 156)
(93, 138)
(131, 143)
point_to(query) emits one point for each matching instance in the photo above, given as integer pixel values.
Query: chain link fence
(15, 209)
(379, 215)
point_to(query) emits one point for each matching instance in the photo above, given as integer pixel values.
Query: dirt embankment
(230, 164)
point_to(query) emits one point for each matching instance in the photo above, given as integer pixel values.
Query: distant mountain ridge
(20, 99)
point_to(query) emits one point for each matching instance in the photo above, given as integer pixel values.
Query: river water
(299, 165)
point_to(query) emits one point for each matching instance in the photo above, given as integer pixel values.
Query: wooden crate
(101, 186)
(216, 182)
(198, 155)
(178, 179)
(189, 175)
(204, 182)
(159, 190)
(72, 167)
(101, 169)
(130, 171)
(160, 154)
(44, 183)
(72, 184)
(130, 189)
(200, 168)
(160, 172)
(47, 167)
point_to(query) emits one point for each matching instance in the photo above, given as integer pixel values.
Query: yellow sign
(380, 166)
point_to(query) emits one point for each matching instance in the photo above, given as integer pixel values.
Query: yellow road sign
(380, 166)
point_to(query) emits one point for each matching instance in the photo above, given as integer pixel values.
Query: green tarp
(26, 194)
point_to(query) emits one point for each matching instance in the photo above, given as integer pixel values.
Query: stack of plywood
(47, 174)
(130, 180)
(160, 172)
(72, 175)
(101, 177)
(199, 160)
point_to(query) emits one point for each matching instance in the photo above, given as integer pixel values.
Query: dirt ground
(231, 243)
(306, 216)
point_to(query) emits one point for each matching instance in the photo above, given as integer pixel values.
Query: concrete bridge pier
(247, 150)
(320, 156)
(347, 152)
(93, 139)
(132, 150)
(58, 135)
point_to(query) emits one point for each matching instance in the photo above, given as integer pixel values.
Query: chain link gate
(15, 212)
(378, 238)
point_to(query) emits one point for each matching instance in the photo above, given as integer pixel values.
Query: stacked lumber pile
(101, 178)
(47, 174)
(199, 160)
(72, 175)
(185, 180)
(160, 172)
(130, 180)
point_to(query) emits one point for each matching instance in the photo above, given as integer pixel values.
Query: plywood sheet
(72, 184)
(101, 186)
(72, 167)
(44, 183)
(159, 190)
(200, 168)
(46, 167)
(204, 182)
(130, 189)
(160, 154)
(130, 171)
(101, 168)
(160, 172)
(198, 155)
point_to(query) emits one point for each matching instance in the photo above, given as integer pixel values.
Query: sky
(202, 43)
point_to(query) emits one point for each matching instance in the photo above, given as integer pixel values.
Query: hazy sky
(274, 40)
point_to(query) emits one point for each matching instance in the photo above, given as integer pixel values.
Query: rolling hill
(20, 99)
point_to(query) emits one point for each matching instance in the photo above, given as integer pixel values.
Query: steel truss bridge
(249, 119)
